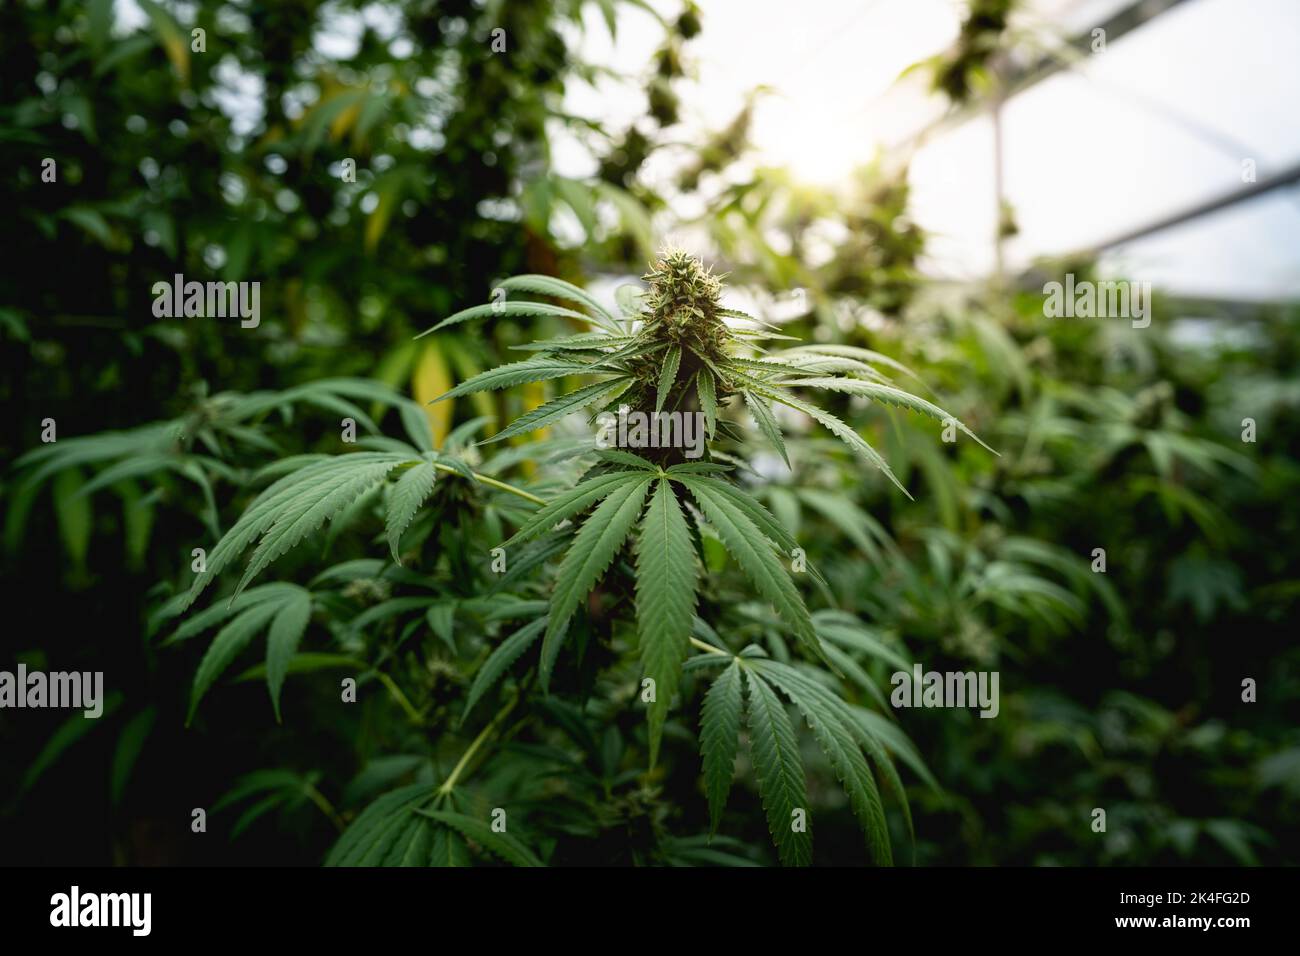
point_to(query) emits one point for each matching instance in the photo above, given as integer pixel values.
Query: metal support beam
(1249, 191)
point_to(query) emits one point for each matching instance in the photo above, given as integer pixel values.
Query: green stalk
(325, 806)
(450, 783)
(695, 642)
(495, 483)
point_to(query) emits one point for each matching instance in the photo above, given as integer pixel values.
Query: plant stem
(708, 647)
(449, 784)
(325, 806)
(391, 685)
(401, 698)
(495, 483)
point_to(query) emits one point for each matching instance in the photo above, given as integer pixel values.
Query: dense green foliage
(672, 349)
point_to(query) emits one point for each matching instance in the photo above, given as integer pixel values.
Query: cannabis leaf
(286, 608)
(780, 772)
(561, 407)
(282, 639)
(761, 412)
(594, 546)
(505, 654)
(539, 369)
(841, 738)
(405, 500)
(847, 736)
(719, 736)
(385, 831)
(292, 507)
(754, 551)
(502, 844)
(666, 579)
(888, 395)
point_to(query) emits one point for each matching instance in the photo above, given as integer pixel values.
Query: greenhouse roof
(1187, 102)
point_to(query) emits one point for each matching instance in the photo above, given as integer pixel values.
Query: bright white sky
(1159, 121)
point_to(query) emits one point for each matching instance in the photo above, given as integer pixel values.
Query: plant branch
(495, 483)
(325, 806)
(450, 783)
(401, 698)
(695, 642)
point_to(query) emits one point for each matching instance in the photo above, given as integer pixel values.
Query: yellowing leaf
(534, 396)
(393, 370)
(430, 379)
(174, 41)
(379, 216)
(343, 122)
(466, 368)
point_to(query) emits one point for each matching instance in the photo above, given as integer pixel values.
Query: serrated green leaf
(763, 519)
(761, 412)
(448, 849)
(305, 662)
(593, 548)
(258, 781)
(806, 366)
(132, 467)
(889, 395)
(859, 526)
(559, 289)
(362, 506)
(502, 309)
(698, 468)
(282, 642)
(129, 745)
(853, 352)
(220, 611)
(405, 499)
(754, 553)
(578, 498)
(73, 511)
(893, 737)
(583, 341)
(230, 640)
(558, 408)
(720, 737)
(441, 617)
(667, 375)
(540, 369)
(503, 845)
(781, 783)
(67, 734)
(704, 387)
(856, 637)
(626, 458)
(271, 505)
(667, 576)
(840, 735)
(414, 844)
(332, 491)
(838, 428)
(373, 832)
(852, 670)
(499, 661)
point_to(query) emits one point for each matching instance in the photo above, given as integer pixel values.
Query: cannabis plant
(637, 522)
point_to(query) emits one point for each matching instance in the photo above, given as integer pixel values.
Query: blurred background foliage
(1120, 690)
